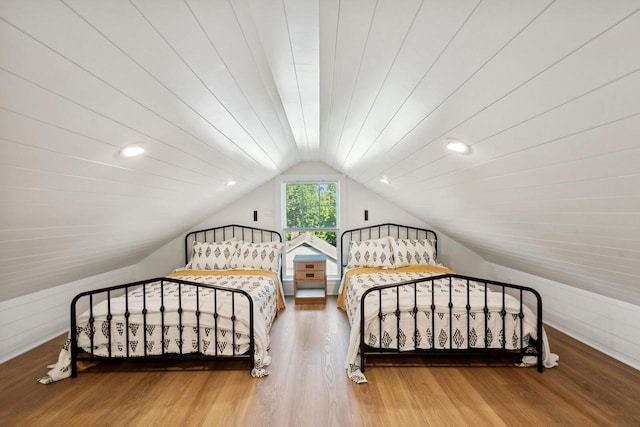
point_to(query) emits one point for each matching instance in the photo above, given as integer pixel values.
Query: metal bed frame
(226, 232)
(407, 232)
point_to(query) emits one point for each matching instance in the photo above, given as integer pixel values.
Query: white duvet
(445, 331)
(211, 335)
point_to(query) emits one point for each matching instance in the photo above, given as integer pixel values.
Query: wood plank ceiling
(547, 93)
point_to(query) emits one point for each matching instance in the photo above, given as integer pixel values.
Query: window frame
(281, 203)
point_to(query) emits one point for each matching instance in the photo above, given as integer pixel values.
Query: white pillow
(258, 256)
(413, 252)
(212, 255)
(370, 253)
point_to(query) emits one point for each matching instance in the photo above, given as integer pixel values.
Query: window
(310, 221)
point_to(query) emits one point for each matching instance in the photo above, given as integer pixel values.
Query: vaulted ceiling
(546, 93)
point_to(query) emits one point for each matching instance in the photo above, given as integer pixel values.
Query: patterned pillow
(212, 255)
(258, 256)
(370, 253)
(413, 252)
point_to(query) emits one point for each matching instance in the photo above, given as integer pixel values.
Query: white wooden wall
(29, 320)
(358, 198)
(606, 324)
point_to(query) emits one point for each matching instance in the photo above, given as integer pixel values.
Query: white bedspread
(219, 335)
(444, 330)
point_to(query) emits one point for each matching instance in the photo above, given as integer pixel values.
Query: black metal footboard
(119, 302)
(422, 292)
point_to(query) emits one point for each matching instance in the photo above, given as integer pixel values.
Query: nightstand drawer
(309, 275)
(309, 265)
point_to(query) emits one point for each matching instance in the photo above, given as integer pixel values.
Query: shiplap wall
(545, 92)
(264, 200)
(29, 320)
(606, 324)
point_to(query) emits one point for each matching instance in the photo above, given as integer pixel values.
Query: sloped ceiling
(547, 93)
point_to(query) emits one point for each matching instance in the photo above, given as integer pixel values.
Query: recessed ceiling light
(132, 150)
(231, 182)
(384, 180)
(457, 146)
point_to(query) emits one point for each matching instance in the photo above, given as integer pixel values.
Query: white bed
(221, 305)
(414, 304)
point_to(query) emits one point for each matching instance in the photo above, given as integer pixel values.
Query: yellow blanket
(267, 273)
(372, 270)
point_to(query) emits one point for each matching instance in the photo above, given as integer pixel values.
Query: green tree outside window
(312, 206)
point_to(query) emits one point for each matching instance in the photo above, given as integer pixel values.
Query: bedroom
(543, 92)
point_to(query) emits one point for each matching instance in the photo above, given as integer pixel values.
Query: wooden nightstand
(310, 279)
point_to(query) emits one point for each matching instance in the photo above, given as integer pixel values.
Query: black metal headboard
(383, 230)
(227, 232)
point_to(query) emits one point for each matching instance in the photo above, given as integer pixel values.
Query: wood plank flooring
(308, 387)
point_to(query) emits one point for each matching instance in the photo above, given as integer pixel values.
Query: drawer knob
(309, 266)
(310, 274)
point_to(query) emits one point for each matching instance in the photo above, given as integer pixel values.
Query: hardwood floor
(308, 387)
